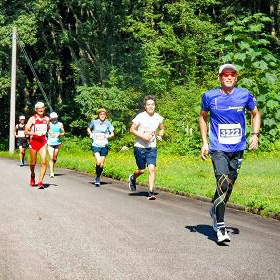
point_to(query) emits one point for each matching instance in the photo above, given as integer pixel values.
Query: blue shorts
(103, 151)
(145, 156)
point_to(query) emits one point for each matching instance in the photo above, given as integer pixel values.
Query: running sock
(221, 196)
(220, 225)
(98, 170)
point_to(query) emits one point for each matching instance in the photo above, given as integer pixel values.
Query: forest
(90, 54)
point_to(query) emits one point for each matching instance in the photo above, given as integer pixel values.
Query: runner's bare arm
(112, 134)
(256, 123)
(89, 131)
(203, 131)
(62, 131)
(134, 131)
(161, 132)
(27, 129)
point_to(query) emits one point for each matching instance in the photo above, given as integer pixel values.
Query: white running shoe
(214, 219)
(97, 181)
(222, 235)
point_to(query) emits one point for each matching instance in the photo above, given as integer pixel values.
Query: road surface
(73, 230)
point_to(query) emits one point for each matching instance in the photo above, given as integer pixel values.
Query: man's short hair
(148, 97)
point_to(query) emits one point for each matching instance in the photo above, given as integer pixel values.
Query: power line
(21, 45)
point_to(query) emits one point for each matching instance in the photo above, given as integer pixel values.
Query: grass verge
(258, 185)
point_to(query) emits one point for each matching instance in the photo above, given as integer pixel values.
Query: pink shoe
(32, 181)
(41, 185)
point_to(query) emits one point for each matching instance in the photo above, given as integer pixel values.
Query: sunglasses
(228, 74)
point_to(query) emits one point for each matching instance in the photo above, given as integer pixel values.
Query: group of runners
(226, 106)
(42, 134)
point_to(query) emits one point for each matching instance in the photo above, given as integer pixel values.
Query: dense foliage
(90, 54)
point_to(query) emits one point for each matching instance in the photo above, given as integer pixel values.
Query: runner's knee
(223, 183)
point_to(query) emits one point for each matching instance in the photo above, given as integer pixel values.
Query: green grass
(258, 185)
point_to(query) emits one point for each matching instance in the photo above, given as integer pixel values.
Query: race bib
(21, 133)
(41, 128)
(229, 133)
(100, 139)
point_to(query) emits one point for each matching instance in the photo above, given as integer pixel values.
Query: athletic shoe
(151, 196)
(41, 185)
(21, 164)
(131, 183)
(222, 235)
(214, 219)
(52, 175)
(97, 181)
(32, 181)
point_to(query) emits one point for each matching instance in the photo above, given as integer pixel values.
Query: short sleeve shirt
(227, 131)
(100, 130)
(147, 125)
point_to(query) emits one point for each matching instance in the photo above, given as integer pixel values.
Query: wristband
(256, 133)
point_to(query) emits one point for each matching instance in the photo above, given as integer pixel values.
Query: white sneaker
(222, 235)
(97, 181)
(214, 219)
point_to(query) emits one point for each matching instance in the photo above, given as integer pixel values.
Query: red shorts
(37, 145)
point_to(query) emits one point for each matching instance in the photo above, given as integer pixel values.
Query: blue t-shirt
(227, 130)
(101, 131)
(55, 128)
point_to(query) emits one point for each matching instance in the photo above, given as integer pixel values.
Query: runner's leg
(21, 154)
(51, 163)
(55, 155)
(152, 175)
(43, 155)
(33, 157)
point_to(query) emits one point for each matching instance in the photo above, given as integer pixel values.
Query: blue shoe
(131, 183)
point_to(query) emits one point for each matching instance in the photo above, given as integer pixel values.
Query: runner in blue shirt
(227, 137)
(100, 130)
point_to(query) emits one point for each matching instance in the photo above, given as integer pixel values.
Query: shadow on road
(208, 231)
(46, 185)
(101, 183)
(141, 194)
(59, 174)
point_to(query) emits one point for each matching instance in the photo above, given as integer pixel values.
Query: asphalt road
(73, 230)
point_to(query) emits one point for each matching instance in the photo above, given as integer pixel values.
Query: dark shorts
(22, 142)
(227, 163)
(102, 151)
(55, 146)
(145, 156)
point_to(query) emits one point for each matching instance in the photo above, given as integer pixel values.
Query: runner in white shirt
(145, 126)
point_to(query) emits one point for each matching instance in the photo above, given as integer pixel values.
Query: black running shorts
(227, 163)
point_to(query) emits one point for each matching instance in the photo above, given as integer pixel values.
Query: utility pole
(13, 93)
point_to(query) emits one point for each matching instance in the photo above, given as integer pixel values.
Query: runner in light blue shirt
(54, 140)
(100, 130)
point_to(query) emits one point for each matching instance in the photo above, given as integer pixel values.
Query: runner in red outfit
(37, 127)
